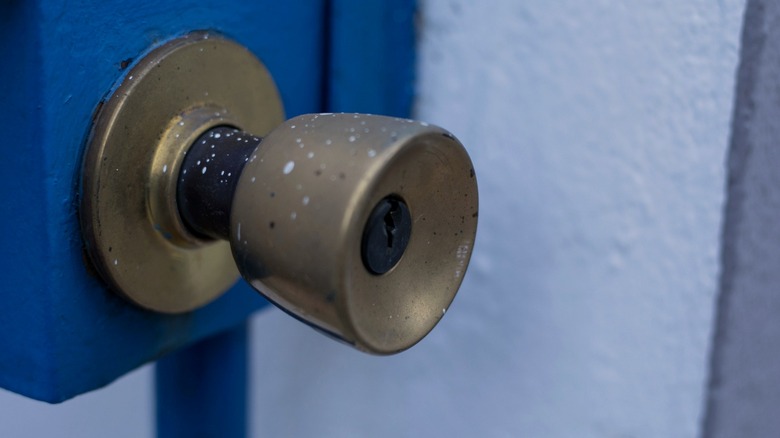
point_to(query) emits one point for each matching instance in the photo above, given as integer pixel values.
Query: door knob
(359, 225)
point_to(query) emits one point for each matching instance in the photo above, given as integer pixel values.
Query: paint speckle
(351, 138)
(328, 142)
(116, 262)
(289, 167)
(293, 215)
(217, 135)
(181, 123)
(305, 200)
(204, 170)
(238, 231)
(253, 179)
(371, 153)
(310, 155)
(165, 168)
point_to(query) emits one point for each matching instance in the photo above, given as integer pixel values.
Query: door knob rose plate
(361, 226)
(142, 131)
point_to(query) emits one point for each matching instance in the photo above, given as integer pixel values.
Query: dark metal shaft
(208, 178)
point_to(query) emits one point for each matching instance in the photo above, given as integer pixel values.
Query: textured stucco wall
(599, 133)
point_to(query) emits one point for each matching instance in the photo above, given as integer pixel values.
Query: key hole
(386, 235)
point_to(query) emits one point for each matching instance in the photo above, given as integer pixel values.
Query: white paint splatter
(165, 168)
(305, 200)
(203, 171)
(461, 254)
(289, 167)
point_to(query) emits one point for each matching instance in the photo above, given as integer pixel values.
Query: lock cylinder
(361, 226)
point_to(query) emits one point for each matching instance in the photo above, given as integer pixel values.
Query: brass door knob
(361, 226)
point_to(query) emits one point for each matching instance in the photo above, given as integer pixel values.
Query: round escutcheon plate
(129, 219)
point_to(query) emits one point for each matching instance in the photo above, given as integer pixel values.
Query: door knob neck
(208, 178)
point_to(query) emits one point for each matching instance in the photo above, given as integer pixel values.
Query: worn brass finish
(128, 214)
(299, 212)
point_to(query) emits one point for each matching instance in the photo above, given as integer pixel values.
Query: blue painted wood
(202, 390)
(372, 56)
(63, 332)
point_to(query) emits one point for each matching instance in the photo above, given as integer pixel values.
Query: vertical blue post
(202, 390)
(371, 56)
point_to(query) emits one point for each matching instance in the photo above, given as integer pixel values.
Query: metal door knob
(361, 226)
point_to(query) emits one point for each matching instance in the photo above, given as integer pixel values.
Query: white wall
(598, 131)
